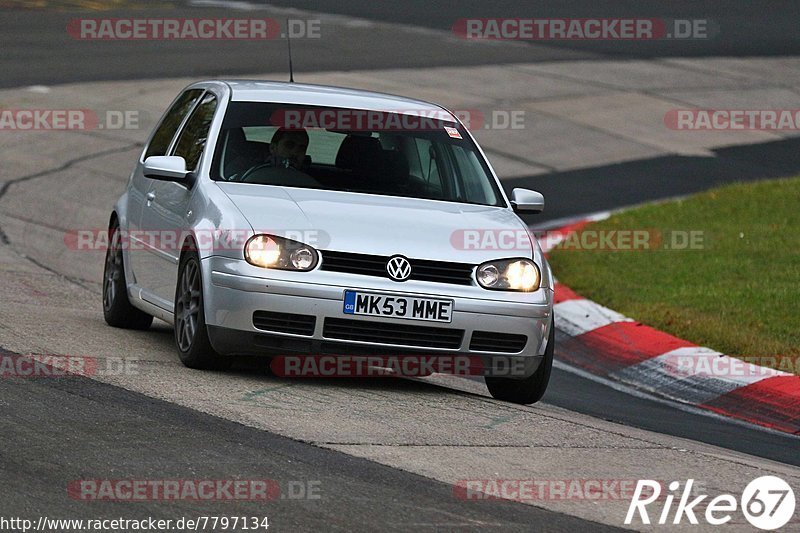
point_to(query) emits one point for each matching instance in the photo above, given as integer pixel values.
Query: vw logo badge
(399, 268)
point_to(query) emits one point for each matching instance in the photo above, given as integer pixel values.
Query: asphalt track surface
(71, 426)
(577, 192)
(151, 439)
(742, 28)
(37, 48)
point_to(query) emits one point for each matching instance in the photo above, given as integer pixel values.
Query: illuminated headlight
(509, 275)
(271, 251)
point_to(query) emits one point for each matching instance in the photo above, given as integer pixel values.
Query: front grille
(284, 322)
(385, 333)
(375, 265)
(351, 349)
(488, 341)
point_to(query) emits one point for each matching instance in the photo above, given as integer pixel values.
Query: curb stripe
(682, 375)
(624, 344)
(579, 316)
(772, 402)
(564, 293)
(607, 343)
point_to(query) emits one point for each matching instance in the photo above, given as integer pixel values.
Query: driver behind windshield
(288, 149)
(286, 162)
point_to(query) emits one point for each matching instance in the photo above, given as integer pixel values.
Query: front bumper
(234, 290)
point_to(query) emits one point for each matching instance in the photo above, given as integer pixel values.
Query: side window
(193, 137)
(472, 176)
(172, 120)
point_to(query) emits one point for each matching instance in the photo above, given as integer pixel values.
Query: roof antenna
(289, 44)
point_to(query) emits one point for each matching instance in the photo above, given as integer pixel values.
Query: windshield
(387, 153)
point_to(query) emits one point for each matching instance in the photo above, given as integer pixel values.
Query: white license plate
(408, 307)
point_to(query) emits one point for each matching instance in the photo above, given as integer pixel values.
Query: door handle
(150, 197)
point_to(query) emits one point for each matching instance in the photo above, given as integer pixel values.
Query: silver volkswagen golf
(267, 218)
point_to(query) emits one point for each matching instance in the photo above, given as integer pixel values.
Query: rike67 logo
(768, 503)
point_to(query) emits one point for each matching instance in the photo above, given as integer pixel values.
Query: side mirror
(527, 201)
(165, 168)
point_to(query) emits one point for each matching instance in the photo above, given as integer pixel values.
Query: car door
(159, 144)
(166, 214)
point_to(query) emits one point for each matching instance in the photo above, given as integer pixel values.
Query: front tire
(117, 309)
(531, 389)
(191, 333)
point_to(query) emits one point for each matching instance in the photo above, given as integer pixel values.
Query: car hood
(382, 225)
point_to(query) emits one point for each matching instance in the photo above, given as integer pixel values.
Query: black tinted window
(193, 137)
(172, 120)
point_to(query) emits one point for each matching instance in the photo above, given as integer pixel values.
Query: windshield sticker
(452, 132)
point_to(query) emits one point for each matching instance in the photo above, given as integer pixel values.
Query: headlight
(509, 275)
(271, 251)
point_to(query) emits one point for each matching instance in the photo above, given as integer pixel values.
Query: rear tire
(531, 389)
(117, 309)
(191, 333)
